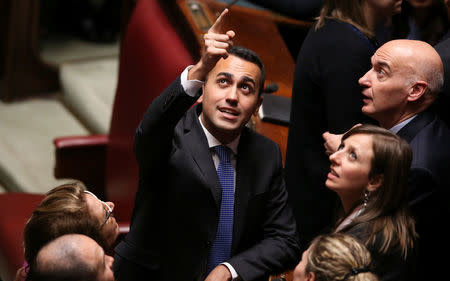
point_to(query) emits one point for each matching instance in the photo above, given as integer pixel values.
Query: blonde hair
(337, 256)
(349, 11)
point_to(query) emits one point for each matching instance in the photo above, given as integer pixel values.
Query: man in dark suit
(443, 101)
(179, 221)
(404, 81)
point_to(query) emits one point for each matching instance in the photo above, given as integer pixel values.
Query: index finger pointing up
(216, 27)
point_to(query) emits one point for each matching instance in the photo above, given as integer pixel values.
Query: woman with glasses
(69, 208)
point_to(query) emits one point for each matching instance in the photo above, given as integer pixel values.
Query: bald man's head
(405, 79)
(420, 59)
(72, 257)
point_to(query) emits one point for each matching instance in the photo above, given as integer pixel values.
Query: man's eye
(381, 73)
(352, 155)
(222, 81)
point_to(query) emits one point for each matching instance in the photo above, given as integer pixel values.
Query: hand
(332, 142)
(20, 274)
(217, 45)
(219, 273)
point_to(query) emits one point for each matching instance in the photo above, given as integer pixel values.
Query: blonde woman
(335, 257)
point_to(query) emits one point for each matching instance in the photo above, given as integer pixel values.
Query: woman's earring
(366, 197)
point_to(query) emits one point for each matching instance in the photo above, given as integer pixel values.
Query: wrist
(197, 72)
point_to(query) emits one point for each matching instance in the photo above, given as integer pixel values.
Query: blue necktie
(221, 247)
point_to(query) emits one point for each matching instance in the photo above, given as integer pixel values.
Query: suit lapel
(242, 188)
(410, 130)
(198, 146)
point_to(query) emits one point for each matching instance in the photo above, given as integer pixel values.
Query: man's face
(92, 252)
(300, 273)
(385, 85)
(230, 97)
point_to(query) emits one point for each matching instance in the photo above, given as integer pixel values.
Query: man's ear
(375, 182)
(310, 276)
(260, 99)
(200, 99)
(417, 90)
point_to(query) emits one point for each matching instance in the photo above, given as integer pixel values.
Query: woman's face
(300, 273)
(385, 8)
(350, 166)
(103, 212)
(420, 3)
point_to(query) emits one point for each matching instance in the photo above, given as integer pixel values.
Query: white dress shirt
(191, 87)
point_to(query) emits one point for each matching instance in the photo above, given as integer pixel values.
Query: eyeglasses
(108, 210)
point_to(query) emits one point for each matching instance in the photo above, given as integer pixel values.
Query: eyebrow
(248, 79)
(384, 65)
(243, 78)
(381, 64)
(226, 74)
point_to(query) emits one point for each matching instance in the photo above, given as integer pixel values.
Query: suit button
(208, 243)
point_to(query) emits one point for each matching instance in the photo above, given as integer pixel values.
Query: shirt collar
(212, 141)
(402, 124)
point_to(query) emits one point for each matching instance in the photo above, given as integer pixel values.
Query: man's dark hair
(250, 56)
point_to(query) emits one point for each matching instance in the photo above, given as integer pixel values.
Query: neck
(348, 203)
(420, 15)
(394, 119)
(371, 16)
(387, 124)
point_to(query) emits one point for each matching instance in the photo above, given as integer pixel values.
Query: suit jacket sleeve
(161, 116)
(278, 250)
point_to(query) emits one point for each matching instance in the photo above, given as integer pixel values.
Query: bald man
(405, 79)
(72, 257)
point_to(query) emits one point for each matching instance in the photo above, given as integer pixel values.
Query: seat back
(152, 55)
(15, 209)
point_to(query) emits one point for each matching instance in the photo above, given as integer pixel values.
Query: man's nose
(232, 94)
(364, 80)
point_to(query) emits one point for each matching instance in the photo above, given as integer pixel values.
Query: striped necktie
(221, 247)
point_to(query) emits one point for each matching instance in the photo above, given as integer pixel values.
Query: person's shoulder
(430, 146)
(435, 132)
(338, 29)
(337, 37)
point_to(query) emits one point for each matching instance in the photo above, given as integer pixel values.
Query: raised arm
(216, 47)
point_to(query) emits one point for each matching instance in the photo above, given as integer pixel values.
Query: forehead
(93, 202)
(384, 57)
(93, 252)
(237, 67)
(396, 57)
(361, 142)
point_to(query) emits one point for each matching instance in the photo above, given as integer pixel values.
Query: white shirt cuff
(234, 274)
(191, 87)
